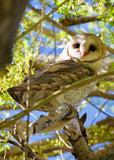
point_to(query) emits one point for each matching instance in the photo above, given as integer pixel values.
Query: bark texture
(11, 12)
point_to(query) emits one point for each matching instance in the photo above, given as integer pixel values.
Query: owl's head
(84, 47)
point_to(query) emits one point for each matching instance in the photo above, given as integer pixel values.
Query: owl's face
(84, 47)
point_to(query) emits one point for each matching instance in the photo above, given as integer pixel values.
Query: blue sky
(91, 111)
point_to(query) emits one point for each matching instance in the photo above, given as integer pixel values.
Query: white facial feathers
(84, 47)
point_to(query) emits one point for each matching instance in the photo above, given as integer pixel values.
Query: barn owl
(77, 61)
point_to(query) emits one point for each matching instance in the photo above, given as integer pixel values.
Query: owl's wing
(50, 79)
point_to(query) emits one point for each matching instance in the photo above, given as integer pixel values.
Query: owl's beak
(83, 54)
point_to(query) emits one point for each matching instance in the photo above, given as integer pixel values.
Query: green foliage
(100, 134)
(28, 47)
(69, 8)
(3, 142)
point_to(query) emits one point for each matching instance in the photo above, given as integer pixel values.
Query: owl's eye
(77, 45)
(92, 48)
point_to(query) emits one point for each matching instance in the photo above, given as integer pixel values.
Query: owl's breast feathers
(50, 79)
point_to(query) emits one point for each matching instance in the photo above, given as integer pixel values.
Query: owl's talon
(49, 123)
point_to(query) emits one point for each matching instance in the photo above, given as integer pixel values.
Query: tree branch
(75, 136)
(108, 121)
(109, 49)
(64, 149)
(109, 78)
(64, 23)
(98, 108)
(79, 20)
(106, 153)
(101, 94)
(8, 107)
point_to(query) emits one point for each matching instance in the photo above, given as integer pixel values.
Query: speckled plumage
(50, 79)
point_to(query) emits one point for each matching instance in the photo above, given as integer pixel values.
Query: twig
(58, 148)
(96, 115)
(63, 140)
(14, 143)
(28, 105)
(54, 36)
(98, 108)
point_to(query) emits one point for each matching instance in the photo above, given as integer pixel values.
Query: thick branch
(101, 94)
(108, 121)
(78, 141)
(55, 94)
(69, 22)
(73, 21)
(106, 153)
